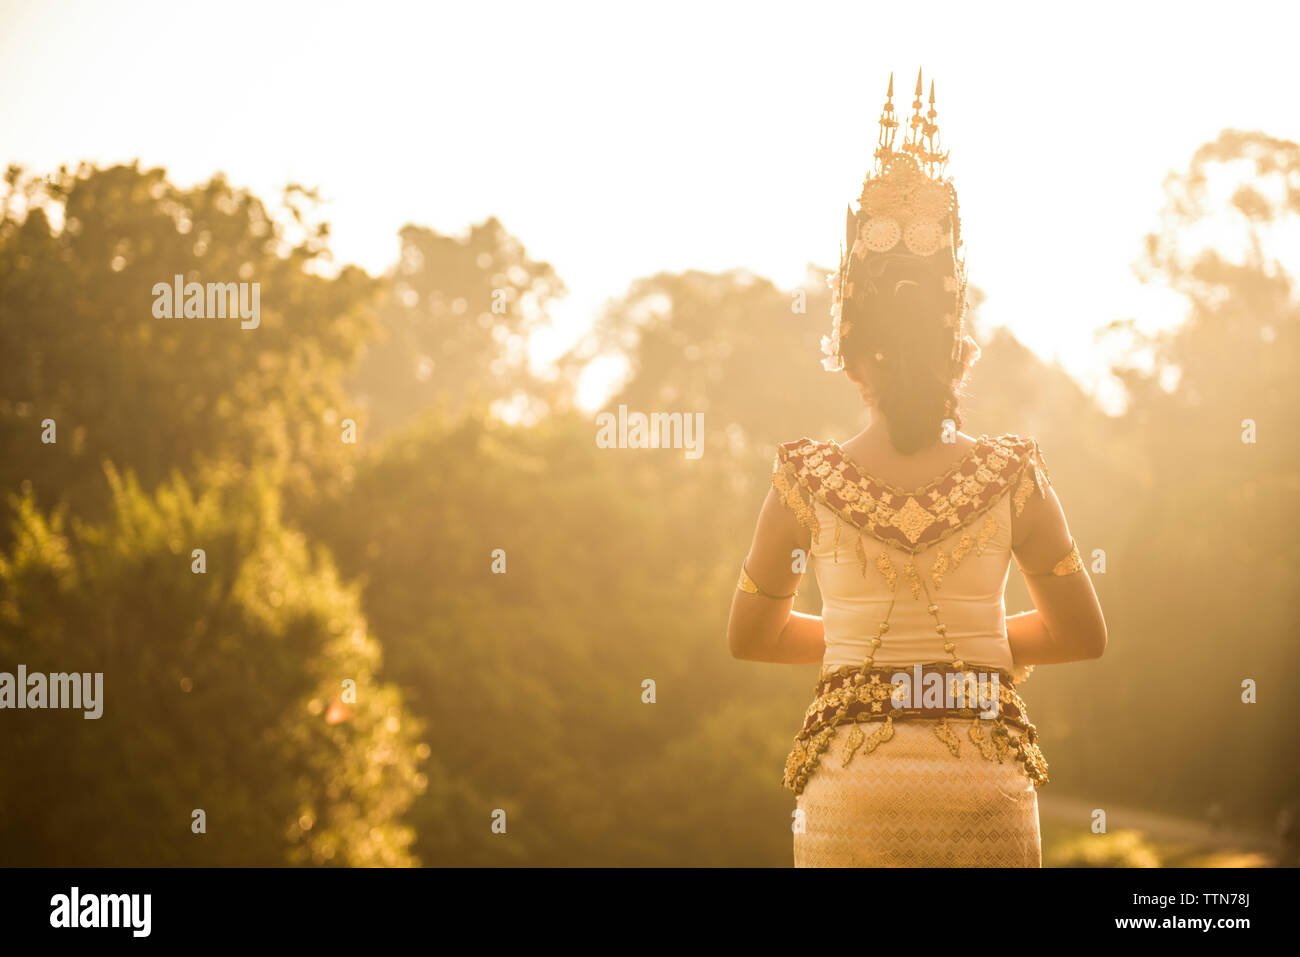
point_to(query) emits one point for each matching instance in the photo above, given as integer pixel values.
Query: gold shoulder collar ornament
(807, 472)
(907, 210)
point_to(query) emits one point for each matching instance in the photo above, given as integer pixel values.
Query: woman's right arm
(1066, 623)
(764, 627)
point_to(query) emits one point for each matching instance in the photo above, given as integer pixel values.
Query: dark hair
(899, 345)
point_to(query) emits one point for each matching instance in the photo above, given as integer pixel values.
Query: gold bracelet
(750, 587)
(1071, 564)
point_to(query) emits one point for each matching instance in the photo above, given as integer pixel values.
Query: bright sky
(617, 140)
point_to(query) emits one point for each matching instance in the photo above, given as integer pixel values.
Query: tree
(223, 690)
(732, 346)
(1208, 589)
(80, 255)
(457, 323)
(615, 567)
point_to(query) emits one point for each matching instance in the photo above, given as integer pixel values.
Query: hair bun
(901, 320)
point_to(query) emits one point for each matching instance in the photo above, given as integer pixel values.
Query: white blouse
(931, 562)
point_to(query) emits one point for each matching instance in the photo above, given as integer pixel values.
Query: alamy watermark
(179, 299)
(75, 909)
(658, 430)
(955, 690)
(57, 690)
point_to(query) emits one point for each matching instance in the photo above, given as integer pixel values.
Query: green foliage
(215, 692)
(79, 342)
(530, 682)
(456, 324)
(1121, 849)
(733, 346)
(1200, 590)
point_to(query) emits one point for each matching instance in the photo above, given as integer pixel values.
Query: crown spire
(932, 157)
(912, 142)
(916, 108)
(888, 125)
(923, 133)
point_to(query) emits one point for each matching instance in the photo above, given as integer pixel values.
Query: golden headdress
(907, 211)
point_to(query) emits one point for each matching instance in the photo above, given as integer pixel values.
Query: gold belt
(871, 698)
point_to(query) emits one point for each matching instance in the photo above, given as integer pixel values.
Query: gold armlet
(749, 587)
(1071, 564)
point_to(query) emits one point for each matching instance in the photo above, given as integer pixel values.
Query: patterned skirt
(913, 803)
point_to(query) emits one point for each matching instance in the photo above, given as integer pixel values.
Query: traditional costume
(912, 583)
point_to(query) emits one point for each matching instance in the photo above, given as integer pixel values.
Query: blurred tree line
(330, 562)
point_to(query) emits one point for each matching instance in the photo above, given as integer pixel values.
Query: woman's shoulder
(1011, 441)
(1023, 449)
(802, 446)
(1021, 461)
(795, 460)
(804, 458)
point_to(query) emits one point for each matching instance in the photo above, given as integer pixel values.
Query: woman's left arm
(763, 625)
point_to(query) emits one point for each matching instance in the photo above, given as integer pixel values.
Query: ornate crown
(907, 211)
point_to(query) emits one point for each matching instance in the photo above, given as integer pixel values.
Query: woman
(917, 749)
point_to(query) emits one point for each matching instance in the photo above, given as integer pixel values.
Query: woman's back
(887, 554)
